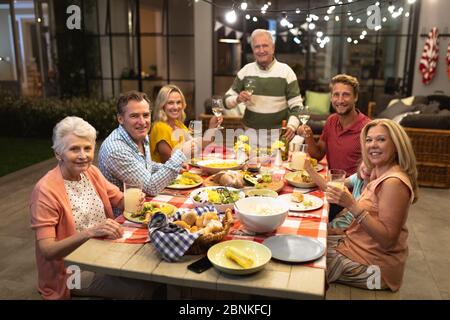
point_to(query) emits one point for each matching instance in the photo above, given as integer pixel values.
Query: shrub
(36, 117)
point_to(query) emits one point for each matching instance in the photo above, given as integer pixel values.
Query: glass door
(9, 74)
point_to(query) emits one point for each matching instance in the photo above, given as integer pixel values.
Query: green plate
(167, 208)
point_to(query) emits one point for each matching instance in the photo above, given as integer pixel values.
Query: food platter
(166, 208)
(227, 196)
(186, 180)
(318, 167)
(215, 165)
(274, 185)
(295, 179)
(309, 203)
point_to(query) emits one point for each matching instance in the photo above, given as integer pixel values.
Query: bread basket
(204, 242)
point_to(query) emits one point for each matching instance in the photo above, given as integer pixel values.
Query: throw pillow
(319, 103)
(407, 101)
(395, 110)
(400, 117)
(432, 107)
(428, 121)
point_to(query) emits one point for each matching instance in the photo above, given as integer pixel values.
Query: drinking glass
(217, 108)
(336, 178)
(304, 115)
(193, 126)
(250, 86)
(132, 192)
(298, 156)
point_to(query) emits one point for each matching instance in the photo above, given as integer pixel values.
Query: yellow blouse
(161, 131)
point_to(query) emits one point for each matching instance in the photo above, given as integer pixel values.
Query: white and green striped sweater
(276, 96)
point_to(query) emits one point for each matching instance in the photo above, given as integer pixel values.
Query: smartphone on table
(200, 265)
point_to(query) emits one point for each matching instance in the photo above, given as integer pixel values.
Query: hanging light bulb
(411, 1)
(350, 18)
(384, 19)
(297, 11)
(326, 18)
(311, 26)
(336, 18)
(355, 41)
(297, 40)
(244, 5)
(319, 34)
(358, 20)
(247, 17)
(255, 19)
(231, 16)
(349, 39)
(407, 14)
(284, 21)
(364, 32)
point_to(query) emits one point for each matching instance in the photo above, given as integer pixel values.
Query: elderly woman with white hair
(71, 204)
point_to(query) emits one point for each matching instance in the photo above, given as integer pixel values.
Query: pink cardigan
(51, 217)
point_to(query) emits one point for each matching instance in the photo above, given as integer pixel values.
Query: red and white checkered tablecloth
(309, 224)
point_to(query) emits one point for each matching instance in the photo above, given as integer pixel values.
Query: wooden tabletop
(141, 261)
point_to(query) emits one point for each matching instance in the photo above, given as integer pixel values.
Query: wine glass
(217, 108)
(193, 125)
(304, 115)
(250, 86)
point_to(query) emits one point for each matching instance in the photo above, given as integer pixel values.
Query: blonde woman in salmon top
(168, 129)
(71, 204)
(372, 253)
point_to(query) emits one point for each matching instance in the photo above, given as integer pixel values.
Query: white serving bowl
(219, 207)
(248, 211)
(226, 164)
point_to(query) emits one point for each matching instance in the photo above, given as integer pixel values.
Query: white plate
(219, 207)
(293, 248)
(184, 186)
(318, 167)
(299, 206)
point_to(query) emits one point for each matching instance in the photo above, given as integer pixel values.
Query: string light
(231, 16)
(244, 6)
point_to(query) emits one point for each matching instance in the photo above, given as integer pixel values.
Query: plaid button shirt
(120, 160)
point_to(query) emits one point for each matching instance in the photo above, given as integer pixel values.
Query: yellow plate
(166, 208)
(259, 253)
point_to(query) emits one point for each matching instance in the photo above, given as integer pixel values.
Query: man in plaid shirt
(125, 155)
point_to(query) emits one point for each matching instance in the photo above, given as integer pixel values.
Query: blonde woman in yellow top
(168, 129)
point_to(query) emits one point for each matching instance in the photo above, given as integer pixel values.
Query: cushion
(407, 101)
(400, 117)
(443, 100)
(432, 107)
(318, 102)
(395, 110)
(429, 121)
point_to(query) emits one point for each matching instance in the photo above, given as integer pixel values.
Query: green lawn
(18, 153)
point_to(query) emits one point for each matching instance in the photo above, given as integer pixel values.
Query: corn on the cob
(238, 256)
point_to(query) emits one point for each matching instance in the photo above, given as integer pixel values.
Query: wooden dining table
(141, 261)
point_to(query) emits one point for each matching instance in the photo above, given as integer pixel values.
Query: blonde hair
(72, 125)
(404, 157)
(161, 101)
(346, 79)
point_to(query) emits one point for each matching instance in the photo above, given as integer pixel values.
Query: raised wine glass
(217, 108)
(304, 115)
(250, 86)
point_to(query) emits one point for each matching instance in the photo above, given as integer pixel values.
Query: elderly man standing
(276, 94)
(125, 154)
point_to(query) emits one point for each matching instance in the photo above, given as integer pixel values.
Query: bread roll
(208, 216)
(189, 217)
(297, 197)
(199, 222)
(213, 227)
(182, 224)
